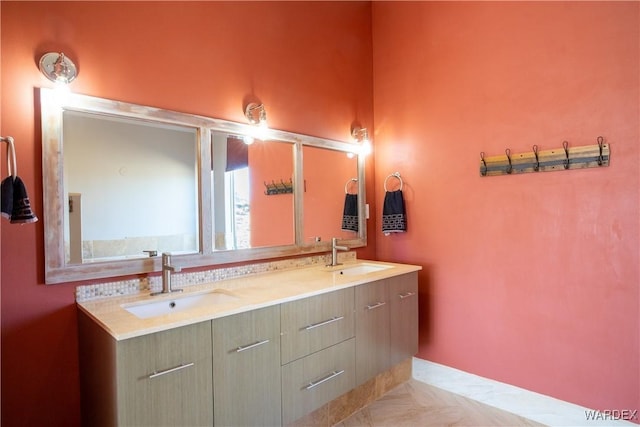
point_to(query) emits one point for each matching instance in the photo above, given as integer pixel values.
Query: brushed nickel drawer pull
(168, 371)
(325, 322)
(379, 304)
(247, 347)
(407, 295)
(330, 376)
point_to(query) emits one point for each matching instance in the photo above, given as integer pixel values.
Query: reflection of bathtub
(136, 256)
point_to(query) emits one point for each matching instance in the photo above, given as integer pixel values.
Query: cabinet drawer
(403, 298)
(246, 368)
(312, 381)
(314, 323)
(165, 378)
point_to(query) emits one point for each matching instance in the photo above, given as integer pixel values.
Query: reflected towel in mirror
(350, 213)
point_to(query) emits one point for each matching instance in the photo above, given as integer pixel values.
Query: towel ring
(393, 175)
(346, 186)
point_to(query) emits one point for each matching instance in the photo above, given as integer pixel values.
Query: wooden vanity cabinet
(159, 379)
(246, 368)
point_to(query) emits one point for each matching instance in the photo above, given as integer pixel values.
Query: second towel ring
(346, 186)
(393, 175)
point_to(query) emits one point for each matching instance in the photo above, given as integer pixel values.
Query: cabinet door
(403, 311)
(311, 324)
(246, 367)
(164, 379)
(372, 330)
(312, 381)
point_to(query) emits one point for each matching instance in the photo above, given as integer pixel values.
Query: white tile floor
(534, 406)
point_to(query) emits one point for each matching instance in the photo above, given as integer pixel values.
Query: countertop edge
(122, 325)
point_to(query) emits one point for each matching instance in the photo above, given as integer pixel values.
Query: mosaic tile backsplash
(184, 280)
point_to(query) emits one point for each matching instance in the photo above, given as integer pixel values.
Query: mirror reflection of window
(131, 187)
(244, 216)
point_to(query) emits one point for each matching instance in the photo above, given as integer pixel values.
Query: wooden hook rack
(565, 158)
(281, 187)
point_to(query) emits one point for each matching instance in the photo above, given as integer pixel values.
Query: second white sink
(178, 304)
(361, 269)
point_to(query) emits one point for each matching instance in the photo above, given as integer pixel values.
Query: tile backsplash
(184, 280)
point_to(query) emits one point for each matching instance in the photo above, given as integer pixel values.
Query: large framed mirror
(124, 183)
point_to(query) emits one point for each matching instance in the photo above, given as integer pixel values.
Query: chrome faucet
(334, 251)
(167, 269)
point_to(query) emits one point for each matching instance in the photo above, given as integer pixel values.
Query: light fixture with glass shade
(256, 114)
(361, 135)
(58, 68)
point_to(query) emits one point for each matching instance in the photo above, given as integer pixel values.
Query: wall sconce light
(361, 135)
(58, 68)
(256, 114)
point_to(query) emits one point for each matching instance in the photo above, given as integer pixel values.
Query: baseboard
(528, 404)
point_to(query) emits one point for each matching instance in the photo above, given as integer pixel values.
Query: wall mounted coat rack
(281, 187)
(588, 156)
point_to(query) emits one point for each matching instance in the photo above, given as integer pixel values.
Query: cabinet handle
(168, 371)
(376, 305)
(407, 295)
(325, 322)
(330, 376)
(247, 347)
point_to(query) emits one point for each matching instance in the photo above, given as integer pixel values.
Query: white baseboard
(528, 404)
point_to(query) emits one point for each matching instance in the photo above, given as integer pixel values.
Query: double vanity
(265, 349)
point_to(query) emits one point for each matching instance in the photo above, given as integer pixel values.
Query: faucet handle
(151, 253)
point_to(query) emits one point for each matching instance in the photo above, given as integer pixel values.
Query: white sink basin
(178, 304)
(359, 269)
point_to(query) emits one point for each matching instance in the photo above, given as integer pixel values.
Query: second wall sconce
(58, 68)
(361, 135)
(256, 114)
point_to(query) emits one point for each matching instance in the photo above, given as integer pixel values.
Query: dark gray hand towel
(350, 213)
(394, 216)
(20, 208)
(7, 197)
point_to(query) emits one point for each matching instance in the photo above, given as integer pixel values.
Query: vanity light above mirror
(192, 171)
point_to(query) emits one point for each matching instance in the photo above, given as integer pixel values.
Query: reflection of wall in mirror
(137, 185)
(272, 220)
(326, 173)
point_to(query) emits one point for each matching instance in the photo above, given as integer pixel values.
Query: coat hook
(510, 167)
(483, 171)
(565, 145)
(536, 167)
(600, 145)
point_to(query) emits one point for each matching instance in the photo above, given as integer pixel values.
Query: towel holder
(393, 175)
(346, 186)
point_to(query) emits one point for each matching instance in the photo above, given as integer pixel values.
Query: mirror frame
(57, 270)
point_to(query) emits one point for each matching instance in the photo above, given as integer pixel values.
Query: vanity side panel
(97, 353)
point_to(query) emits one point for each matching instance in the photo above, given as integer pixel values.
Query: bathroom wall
(530, 279)
(310, 63)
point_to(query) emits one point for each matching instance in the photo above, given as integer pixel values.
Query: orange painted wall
(530, 279)
(310, 63)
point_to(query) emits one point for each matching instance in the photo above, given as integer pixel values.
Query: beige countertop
(252, 291)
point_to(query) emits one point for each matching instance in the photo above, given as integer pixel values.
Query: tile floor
(441, 396)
